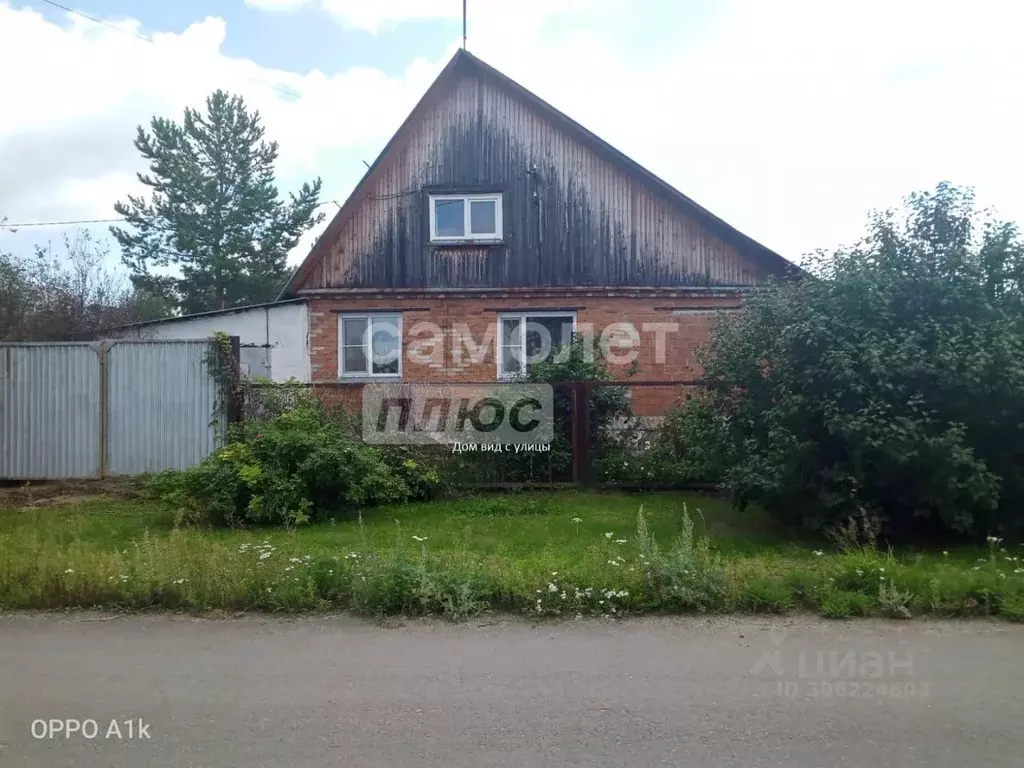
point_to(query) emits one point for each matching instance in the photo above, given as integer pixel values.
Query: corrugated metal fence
(106, 408)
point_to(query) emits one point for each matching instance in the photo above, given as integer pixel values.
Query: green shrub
(889, 383)
(689, 446)
(299, 466)
(841, 604)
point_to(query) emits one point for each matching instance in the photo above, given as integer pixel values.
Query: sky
(789, 119)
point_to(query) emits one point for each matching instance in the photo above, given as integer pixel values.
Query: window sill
(357, 378)
(466, 243)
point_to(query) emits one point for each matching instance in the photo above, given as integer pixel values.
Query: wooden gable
(576, 211)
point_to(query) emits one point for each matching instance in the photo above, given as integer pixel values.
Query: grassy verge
(562, 554)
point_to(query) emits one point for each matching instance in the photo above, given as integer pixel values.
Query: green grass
(519, 552)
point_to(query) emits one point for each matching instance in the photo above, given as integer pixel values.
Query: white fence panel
(49, 411)
(160, 405)
(81, 410)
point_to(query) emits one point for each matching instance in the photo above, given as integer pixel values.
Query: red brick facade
(682, 319)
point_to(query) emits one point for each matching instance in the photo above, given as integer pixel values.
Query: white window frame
(467, 236)
(523, 317)
(367, 344)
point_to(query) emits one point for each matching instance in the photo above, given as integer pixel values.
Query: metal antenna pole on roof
(463, 24)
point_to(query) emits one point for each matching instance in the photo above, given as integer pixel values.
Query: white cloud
(383, 14)
(792, 119)
(66, 139)
(371, 16)
(788, 119)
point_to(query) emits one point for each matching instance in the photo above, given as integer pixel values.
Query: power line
(24, 224)
(279, 88)
(93, 19)
(57, 223)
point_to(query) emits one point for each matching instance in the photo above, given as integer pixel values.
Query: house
(492, 226)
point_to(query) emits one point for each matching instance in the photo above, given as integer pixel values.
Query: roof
(211, 313)
(464, 63)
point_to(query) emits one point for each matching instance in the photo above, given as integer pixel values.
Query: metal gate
(71, 410)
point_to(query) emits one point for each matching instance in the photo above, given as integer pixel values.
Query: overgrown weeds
(559, 555)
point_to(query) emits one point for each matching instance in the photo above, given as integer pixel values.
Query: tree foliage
(214, 232)
(67, 295)
(890, 381)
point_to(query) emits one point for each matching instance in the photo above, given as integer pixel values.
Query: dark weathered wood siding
(571, 216)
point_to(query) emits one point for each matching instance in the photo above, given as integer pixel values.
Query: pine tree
(214, 233)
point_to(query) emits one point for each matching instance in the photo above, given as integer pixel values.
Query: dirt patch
(62, 492)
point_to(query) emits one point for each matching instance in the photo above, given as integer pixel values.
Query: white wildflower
(294, 560)
(577, 519)
(552, 588)
(420, 538)
(620, 541)
(609, 534)
(69, 570)
(817, 553)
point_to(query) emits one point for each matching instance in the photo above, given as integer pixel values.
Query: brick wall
(689, 318)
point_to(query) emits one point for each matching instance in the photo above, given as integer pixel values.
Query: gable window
(370, 345)
(465, 218)
(526, 338)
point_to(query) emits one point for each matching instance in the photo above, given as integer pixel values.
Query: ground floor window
(526, 338)
(370, 345)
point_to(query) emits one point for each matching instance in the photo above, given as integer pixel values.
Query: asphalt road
(335, 691)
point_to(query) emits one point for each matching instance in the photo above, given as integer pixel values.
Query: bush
(296, 467)
(890, 384)
(689, 446)
(610, 411)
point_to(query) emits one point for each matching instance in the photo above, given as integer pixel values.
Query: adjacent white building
(274, 337)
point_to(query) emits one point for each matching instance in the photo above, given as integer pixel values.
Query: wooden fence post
(581, 432)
